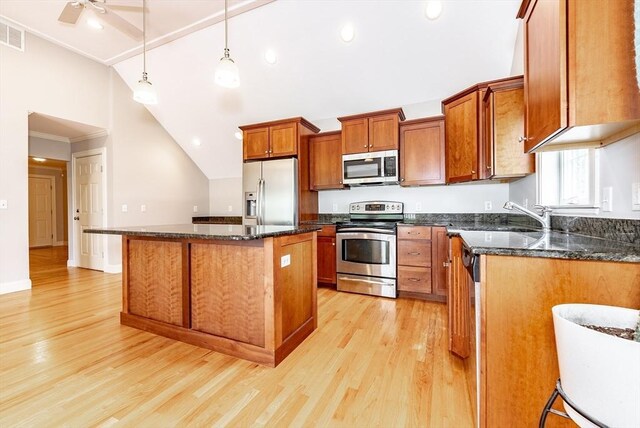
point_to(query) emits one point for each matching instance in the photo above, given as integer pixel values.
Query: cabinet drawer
(414, 252)
(328, 230)
(414, 232)
(415, 279)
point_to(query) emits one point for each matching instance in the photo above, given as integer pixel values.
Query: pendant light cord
(144, 39)
(226, 33)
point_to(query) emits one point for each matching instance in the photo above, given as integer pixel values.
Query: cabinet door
(422, 153)
(256, 143)
(326, 162)
(439, 260)
(383, 132)
(509, 156)
(458, 302)
(461, 138)
(283, 140)
(355, 136)
(327, 259)
(545, 60)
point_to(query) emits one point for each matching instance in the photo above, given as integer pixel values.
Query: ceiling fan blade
(121, 24)
(71, 12)
(124, 4)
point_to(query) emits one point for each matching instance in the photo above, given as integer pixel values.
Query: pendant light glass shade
(227, 74)
(144, 92)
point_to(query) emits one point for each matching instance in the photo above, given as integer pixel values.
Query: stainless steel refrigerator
(270, 191)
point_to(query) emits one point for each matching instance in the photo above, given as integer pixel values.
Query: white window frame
(594, 185)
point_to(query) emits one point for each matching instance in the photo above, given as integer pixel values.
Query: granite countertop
(233, 232)
(554, 244)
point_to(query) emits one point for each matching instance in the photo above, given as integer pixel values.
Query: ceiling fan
(73, 9)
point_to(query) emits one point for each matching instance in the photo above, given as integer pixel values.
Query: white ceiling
(57, 129)
(397, 58)
(166, 20)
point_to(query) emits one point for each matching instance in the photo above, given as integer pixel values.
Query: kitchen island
(245, 291)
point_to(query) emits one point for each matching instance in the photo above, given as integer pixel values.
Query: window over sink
(568, 178)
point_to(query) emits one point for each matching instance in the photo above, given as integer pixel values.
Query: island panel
(229, 303)
(155, 280)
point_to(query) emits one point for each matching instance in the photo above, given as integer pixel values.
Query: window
(568, 178)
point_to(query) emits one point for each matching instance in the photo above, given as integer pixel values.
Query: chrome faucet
(544, 218)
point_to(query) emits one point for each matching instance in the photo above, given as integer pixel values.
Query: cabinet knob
(365, 145)
(340, 181)
(267, 151)
(473, 171)
(333, 243)
(488, 166)
(446, 264)
(521, 139)
(370, 145)
(402, 179)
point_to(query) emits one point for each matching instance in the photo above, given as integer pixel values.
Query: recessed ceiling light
(433, 9)
(347, 33)
(39, 159)
(196, 141)
(270, 56)
(238, 135)
(94, 24)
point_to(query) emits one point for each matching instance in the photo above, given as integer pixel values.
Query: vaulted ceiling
(397, 58)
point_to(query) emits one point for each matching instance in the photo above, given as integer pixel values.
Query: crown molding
(97, 134)
(46, 136)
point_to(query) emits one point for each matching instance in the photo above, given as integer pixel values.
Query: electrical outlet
(607, 199)
(143, 208)
(125, 208)
(285, 260)
(195, 208)
(418, 207)
(335, 208)
(3, 204)
(230, 208)
(635, 196)
(487, 205)
(525, 202)
(487, 237)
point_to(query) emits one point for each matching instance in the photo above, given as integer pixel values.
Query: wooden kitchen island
(245, 291)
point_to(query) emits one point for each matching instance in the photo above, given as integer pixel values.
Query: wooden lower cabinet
(233, 297)
(459, 302)
(327, 255)
(418, 259)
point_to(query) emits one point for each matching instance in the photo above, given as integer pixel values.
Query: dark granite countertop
(554, 244)
(233, 232)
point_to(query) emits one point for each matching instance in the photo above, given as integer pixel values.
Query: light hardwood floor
(66, 360)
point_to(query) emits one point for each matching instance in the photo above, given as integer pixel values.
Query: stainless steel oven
(366, 249)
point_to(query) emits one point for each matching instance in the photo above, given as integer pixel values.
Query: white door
(40, 212)
(88, 211)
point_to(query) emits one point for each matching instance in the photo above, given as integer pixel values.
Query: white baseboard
(13, 286)
(112, 268)
(59, 243)
(71, 263)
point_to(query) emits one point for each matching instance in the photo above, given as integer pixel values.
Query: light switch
(125, 208)
(335, 208)
(607, 199)
(230, 208)
(143, 208)
(635, 196)
(487, 205)
(195, 208)
(3, 204)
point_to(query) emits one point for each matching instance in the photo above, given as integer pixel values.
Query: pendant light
(145, 93)
(227, 74)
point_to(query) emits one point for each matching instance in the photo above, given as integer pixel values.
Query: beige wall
(224, 193)
(145, 165)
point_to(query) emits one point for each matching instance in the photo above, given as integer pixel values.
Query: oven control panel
(376, 207)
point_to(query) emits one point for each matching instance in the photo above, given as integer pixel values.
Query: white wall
(225, 193)
(619, 169)
(49, 149)
(145, 164)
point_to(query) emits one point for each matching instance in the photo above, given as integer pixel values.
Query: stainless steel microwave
(370, 168)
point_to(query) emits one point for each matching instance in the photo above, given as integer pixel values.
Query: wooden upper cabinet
(503, 153)
(422, 158)
(371, 132)
(580, 83)
(355, 136)
(461, 136)
(326, 161)
(276, 139)
(256, 143)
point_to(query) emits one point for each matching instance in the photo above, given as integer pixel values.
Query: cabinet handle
(414, 279)
(446, 264)
(522, 139)
(413, 233)
(472, 171)
(414, 253)
(488, 166)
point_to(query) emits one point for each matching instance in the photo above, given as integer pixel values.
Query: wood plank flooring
(66, 361)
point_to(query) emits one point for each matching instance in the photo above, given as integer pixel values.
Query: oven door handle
(368, 281)
(366, 229)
